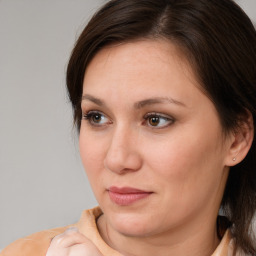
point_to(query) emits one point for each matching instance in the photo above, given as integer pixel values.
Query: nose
(123, 154)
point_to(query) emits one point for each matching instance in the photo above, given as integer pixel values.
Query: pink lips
(126, 196)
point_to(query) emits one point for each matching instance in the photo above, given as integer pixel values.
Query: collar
(87, 225)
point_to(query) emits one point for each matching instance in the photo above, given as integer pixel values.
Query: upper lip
(126, 190)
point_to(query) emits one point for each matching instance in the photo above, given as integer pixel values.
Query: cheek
(187, 164)
(188, 147)
(92, 155)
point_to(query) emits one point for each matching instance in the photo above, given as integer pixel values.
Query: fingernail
(71, 229)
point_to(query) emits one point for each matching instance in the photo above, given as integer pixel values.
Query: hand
(72, 243)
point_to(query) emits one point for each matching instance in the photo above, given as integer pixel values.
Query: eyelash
(168, 119)
(91, 114)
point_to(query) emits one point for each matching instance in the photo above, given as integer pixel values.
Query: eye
(96, 118)
(156, 120)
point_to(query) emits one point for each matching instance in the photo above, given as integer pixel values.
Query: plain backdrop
(42, 182)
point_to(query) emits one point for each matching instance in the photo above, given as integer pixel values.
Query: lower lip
(127, 198)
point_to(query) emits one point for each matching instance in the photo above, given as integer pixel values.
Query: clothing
(38, 243)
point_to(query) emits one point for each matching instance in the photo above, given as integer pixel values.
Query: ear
(241, 140)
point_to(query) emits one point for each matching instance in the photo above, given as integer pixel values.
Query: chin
(132, 224)
(133, 230)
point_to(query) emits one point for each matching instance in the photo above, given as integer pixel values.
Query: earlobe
(241, 141)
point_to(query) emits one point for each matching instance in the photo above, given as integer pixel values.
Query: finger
(57, 246)
(84, 250)
(69, 238)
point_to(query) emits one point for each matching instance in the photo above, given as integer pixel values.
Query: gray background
(42, 182)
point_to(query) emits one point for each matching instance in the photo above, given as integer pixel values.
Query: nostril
(123, 163)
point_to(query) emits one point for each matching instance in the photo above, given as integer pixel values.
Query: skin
(182, 160)
(72, 243)
(147, 124)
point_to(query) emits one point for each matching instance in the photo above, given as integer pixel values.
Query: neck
(196, 240)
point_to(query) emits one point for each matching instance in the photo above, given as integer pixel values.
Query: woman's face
(150, 141)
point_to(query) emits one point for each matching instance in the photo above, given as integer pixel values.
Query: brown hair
(219, 40)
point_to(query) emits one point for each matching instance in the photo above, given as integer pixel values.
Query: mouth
(125, 196)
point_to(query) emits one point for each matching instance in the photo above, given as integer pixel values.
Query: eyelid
(158, 114)
(170, 120)
(88, 114)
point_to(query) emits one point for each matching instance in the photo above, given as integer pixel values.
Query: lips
(126, 196)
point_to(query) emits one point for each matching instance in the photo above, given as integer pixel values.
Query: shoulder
(38, 243)
(35, 244)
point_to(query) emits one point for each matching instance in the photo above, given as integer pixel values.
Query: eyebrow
(93, 99)
(139, 104)
(157, 100)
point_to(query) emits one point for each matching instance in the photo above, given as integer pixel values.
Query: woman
(164, 99)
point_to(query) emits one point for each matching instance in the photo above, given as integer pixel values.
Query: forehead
(158, 49)
(146, 60)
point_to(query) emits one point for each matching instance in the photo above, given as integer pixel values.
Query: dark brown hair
(219, 41)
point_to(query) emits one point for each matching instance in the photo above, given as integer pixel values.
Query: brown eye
(154, 121)
(96, 118)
